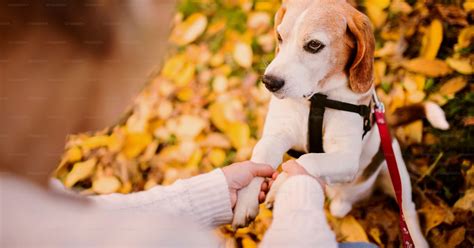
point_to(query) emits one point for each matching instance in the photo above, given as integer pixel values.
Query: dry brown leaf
(466, 202)
(435, 215)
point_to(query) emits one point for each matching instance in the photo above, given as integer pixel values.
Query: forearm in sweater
(298, 216)
(205, 198)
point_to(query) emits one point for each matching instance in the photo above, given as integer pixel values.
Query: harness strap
(319, 103)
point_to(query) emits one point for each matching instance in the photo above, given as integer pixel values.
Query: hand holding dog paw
(239, 175)
(292, 168)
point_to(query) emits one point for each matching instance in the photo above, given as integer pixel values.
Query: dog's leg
(344, 196)
(408, 206)
(269, 150)
(282, 177)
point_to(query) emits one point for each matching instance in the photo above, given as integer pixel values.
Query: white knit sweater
(157, 217)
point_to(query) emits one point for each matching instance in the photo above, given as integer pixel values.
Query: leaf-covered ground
(205, 109)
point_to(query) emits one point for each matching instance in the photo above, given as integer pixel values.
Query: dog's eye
(313, 46)
(280, 40)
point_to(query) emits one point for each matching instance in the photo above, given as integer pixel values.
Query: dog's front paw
(246, 208)
(282, 177)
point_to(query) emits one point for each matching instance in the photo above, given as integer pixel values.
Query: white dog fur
(342, 29)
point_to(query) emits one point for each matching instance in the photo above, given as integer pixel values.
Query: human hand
(292, 168)
(239, 175)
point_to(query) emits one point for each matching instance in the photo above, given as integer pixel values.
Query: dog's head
(316, 40)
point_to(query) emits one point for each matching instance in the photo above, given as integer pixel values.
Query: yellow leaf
(150, 184)
(126, 188)
(135, 143)
(432, 68)
(381, 4)
(466, 202)
(432, 40)
(247, 242)
(416, 96)
(184, 77)
(74, 154)
(398, 97)
(96, 142)
(375, 234)
(224, 112)
(185, 94)
(239, 134)
(465, 37)
(453, 85)
(413, 132)
(80, 171)
(189, 30)
(439, 98)
(461, 65)
(435, 215)
(243, 54)
(106, 185)
(352, 230)
(380, 67)
(195, 158)
(468, 6)
(173, 66)
(377, 15)
(217, 157)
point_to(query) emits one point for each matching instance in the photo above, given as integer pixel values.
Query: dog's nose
(273, 83)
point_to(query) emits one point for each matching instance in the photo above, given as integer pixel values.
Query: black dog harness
(319, 103)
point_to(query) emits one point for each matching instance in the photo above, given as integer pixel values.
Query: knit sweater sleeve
(204, 198)
(298, 216)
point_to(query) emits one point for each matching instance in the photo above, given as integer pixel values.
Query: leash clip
(378, 104)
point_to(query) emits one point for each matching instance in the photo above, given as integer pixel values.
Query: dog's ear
(278, 19)
(361, 72)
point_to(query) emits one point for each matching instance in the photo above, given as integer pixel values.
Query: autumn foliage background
(205, 109)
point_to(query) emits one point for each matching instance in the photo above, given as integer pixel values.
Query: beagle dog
(324, 47)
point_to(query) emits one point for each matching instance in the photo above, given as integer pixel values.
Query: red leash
(386, 143)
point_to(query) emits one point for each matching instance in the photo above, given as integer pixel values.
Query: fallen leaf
(434, 215)
(239, 134)
(352, 230)
(189, 30)
(461, 65)
(432, 68)
(466, 202)
(80, 171)
(136, 143)
(106, 185)
(217, 157)
(243, 54)
(432, 40)
(453, 85)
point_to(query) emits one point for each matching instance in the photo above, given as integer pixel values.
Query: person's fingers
(275, 175)
(261, 170)
(270, 183)
(261, 197)
(264, 186)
